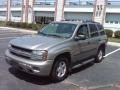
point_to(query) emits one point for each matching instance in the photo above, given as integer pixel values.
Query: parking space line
(100, 86)
(112, 52)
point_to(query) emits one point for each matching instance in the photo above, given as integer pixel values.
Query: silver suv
(58, 48)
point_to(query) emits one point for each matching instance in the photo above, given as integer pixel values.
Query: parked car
(58, 48)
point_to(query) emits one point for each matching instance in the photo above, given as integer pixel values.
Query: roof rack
(80, 20)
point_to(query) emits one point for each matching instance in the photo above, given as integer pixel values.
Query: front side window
(64, 30)
(83, 30)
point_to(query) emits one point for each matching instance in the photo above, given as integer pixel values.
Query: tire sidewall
(53, 75)
(97, 60)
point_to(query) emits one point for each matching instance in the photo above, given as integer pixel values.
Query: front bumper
(42, 68)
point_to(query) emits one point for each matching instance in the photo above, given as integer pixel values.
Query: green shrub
(17, 25)
(29, 26)
(109, 32)
(25, 25)
(35, 26)
(117, 34)
(8, 23)
(2, 23)
(42, 25)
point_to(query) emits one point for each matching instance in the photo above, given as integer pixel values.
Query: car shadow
(40, 80)
(83, 67)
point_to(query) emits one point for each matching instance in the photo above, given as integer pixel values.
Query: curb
(113, 44)
(20, 30)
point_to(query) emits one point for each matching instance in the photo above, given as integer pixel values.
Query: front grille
(22, 56)
(20, 52)
(20, 48)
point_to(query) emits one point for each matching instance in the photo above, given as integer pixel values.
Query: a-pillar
(27, 11)
(59, 10)
(99, 13)
(8, 12)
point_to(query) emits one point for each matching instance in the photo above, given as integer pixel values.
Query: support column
(27, 11)
(59, 10)
(99, 13)
(24, 10)
(30, 11)
(8, 12)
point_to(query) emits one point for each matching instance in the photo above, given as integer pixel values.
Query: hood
(36, 42)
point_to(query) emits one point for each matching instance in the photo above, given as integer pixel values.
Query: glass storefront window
(44, 2)
(3, 3)
(16, 3)
(79, 2)
(43, 19)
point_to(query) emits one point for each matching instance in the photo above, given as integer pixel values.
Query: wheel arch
(65, 54)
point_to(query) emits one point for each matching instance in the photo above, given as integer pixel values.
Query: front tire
(60, 69)
(100, 55)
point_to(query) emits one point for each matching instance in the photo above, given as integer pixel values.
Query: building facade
(39, 11)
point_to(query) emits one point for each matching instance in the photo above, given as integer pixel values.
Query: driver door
(84, 46)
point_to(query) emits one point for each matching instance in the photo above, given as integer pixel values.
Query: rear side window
(93, 30)
(101, 29)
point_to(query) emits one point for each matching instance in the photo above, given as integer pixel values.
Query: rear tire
(60, 69)
(100, 55)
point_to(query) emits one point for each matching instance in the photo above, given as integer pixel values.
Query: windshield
(64, 30)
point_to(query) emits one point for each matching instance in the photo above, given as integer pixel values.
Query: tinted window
(102, 33)
(93, 30)
(101, 29)
(83, 30)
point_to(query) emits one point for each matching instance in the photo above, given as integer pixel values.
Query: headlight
(9, 46)
(39, 55)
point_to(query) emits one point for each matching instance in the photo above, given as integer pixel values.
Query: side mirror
(80, 37)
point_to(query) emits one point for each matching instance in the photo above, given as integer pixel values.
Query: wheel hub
(61, 69)
(100, 55)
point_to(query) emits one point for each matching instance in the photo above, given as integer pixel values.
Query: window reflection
(3, 3)
(44, 2)
(16, 3)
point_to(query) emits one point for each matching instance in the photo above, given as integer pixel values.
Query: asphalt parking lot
(102, 76)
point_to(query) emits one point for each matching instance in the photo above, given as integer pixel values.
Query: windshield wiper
(55, 35)
(42, 33)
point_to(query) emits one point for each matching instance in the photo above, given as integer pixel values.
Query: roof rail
(80, 20)
(72, 20)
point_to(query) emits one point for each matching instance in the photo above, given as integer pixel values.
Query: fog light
(36, 69)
